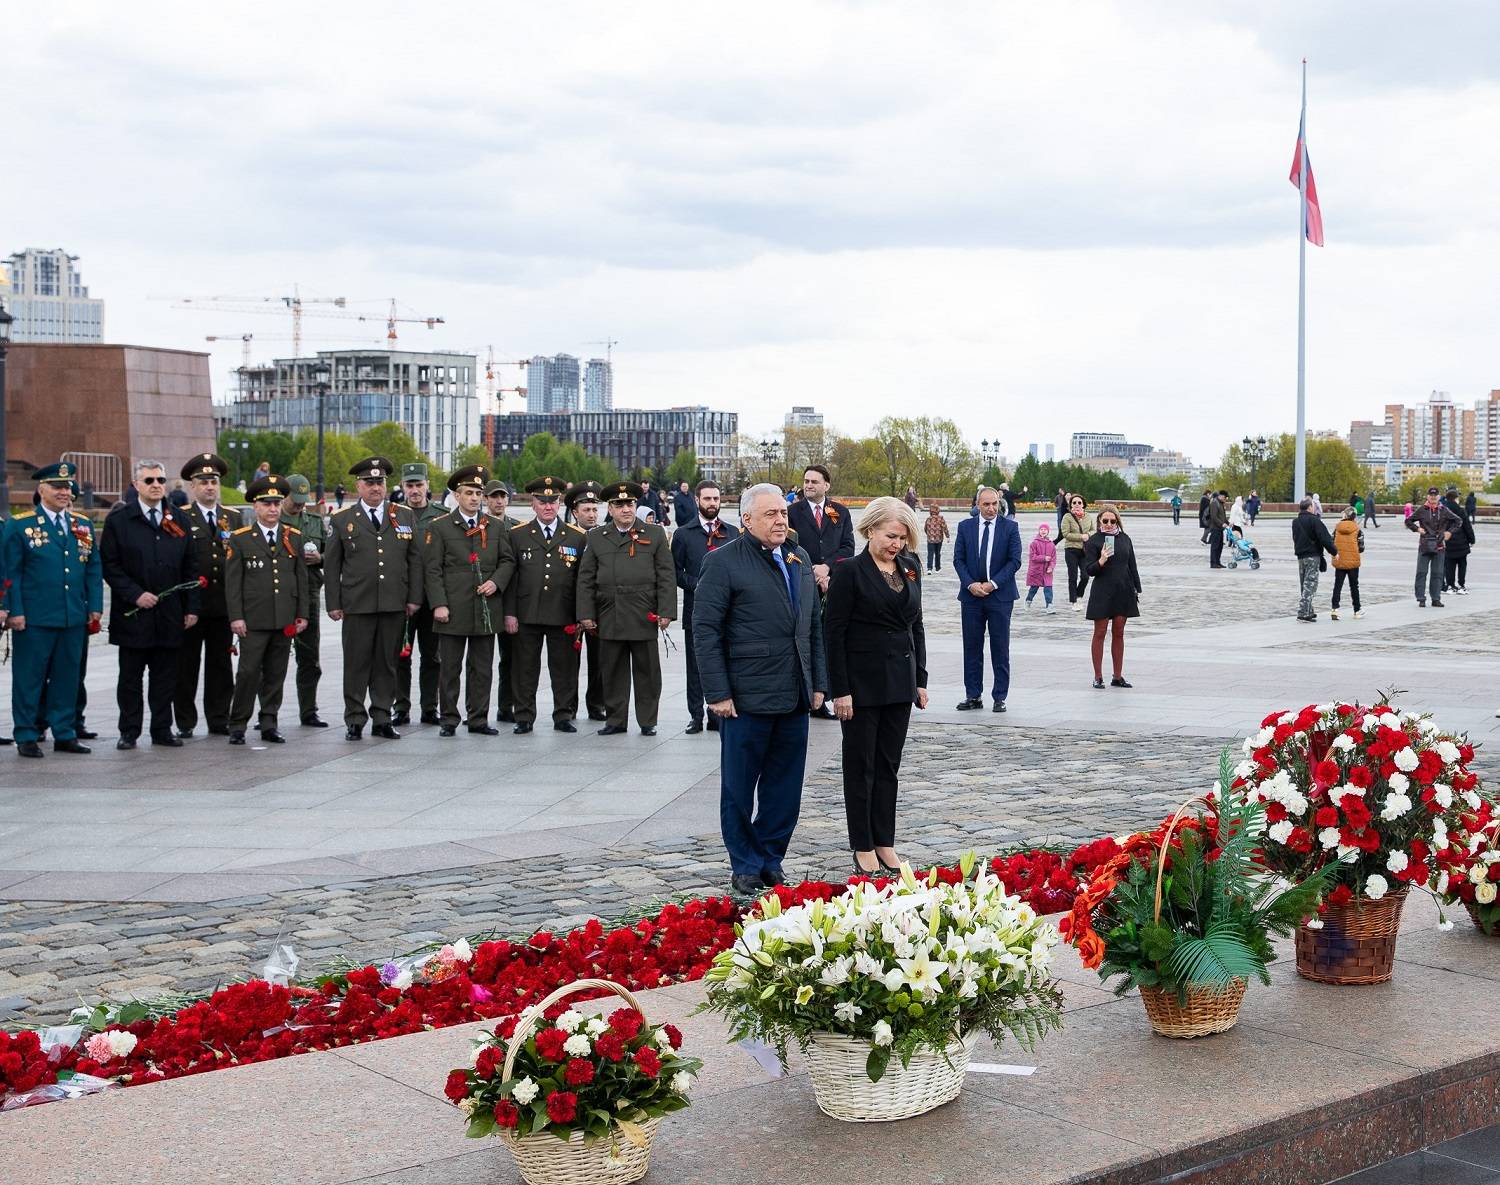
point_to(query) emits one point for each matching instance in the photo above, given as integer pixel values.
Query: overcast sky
(1035, 219)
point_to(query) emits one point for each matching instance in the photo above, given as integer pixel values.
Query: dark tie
(271, 539)
(375, 517)
(469, 523)
(152, 513)
(547, 531)
(984, 550)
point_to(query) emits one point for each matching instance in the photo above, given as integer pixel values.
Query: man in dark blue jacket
(698, 532)
(758, 639)
(986, 556)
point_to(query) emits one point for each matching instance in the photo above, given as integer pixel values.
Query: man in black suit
(758, 637)
(698, 532)
(825, 529)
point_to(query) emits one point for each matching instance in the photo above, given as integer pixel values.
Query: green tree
(393, 442)
(684, 467)
(340, 451)
(1414, 488)
(1333, 471)
(473, 454)
(1494, 486)
(246, 450)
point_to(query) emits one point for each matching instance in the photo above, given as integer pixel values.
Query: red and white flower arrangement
(1384, 792)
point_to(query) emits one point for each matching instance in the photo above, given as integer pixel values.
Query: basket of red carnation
(576, 1099)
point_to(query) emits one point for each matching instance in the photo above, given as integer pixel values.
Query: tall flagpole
(1299, 484)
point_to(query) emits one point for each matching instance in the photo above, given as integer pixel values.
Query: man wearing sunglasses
(147, 552)
(207, 642)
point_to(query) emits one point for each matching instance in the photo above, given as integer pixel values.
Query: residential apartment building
(1086, 445)
(598, 385)
(431, 395)
(628, 439)
(47, 297)
(1487, 434)
(552, 384)
(1437, 428)
(803, 417)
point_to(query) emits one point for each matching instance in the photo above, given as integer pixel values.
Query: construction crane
(391, 320)
(246, 338)
(609, 345)
(494, 396)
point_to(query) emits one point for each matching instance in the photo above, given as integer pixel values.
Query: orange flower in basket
(1091, 950)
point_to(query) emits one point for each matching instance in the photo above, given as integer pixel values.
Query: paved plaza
(144, 871)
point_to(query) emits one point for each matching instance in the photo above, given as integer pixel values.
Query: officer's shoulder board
(576, 527)
(80, 514)
(241, 531)
(290, 530)
(346, 511)
(518, 526)
(22, 517)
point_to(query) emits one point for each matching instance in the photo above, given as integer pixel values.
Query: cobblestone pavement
(962, 789)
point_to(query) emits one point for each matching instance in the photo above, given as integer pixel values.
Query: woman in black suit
(1115, 595)
(877, 669)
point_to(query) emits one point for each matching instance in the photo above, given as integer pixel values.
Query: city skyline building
(802, 417)
(628, 438)
(48, 299)
(1087, 445)
(598, 385)
(431, 395)
(552, 384)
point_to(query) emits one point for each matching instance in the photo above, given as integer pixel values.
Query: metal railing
(104, 473)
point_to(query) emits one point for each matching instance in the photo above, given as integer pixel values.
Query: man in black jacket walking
(1434, 523)
(1310, 539)
(146, 551)
(758, 638)
(698, 532)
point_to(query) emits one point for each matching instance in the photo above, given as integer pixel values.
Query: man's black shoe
(400, 717)
(86, 734)
(128, 743)
(999, 706)
(427, 718)
(522, 727)
(29, 749)
(448, 730)
(694, 727)
(1438, 605)
(612, 730)
(970, 705)
(313, 722)
(168, 741)
(484, 730)
(237, 737)
(353, 732)
(743, 885)
(387, 731)
(218, 730)
(73, 746)
(184, 733)
(771, 877)
(713, 724)
(598, 715)
(505, 718)
(273, 735)
(565, 726)
(648, 732)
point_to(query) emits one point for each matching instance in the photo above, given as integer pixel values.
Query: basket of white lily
(886, 989)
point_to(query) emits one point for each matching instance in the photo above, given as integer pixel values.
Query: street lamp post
(1257, 450)
(5, 323)
(322, 390)
(990, 451)
(770, 451)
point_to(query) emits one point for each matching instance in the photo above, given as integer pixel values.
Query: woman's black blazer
(877, 650)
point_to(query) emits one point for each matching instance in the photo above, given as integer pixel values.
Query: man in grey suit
(758, 638)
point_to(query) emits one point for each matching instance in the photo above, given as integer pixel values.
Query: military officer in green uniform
(497, 502)
(310, 526)
(468, 560)
(583, 500)
(419, 500)
(373, 584)
(56, 597)
(627, 587)
(541, 603)
(208, 643)
(266, 593)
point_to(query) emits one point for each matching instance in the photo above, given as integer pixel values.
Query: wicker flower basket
(542, 1158)
(844, 1090)
(1479, 925)
(1357, 943)
(1209, 1009)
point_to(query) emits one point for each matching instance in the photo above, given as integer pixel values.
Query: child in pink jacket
(1040, 561)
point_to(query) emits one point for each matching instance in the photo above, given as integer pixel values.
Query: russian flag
(1314, 222)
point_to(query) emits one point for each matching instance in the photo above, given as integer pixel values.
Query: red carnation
(1361, 776)
(562, 1106)
(1341, 895)
(1300, 840)
(473, 557)
(627, 1022)
(1356, 811)
(405, 652)
(648, 1060)
(457, 1086)
(290, 630)
(609, 1047)
(674, 1035)
(549, 1044)
(1275, 812)
(1327, 816)
(506, 1114)
(489, 1061)
(1325, 774)
(202, 582)
(580, 1072)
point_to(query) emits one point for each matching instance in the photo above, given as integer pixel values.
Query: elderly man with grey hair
(146, 551)
(758, 638)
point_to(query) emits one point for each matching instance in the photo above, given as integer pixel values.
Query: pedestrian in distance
(696, 536)
(1434, 524)
(1348, 543)
(1471, 507)
(911, 497)
(1238, 516)
(147, 559)
(684, 508)
(1460, 543)
(1217, 519)
(1310, 540)
(1252, 506)
(936, 530)
(1176, 509)
(1114, 597)
(1203, 502)
(1009, 501)
(339, 494)
(877, 670)
(986, 556)
(1041, 559)
(1061, 504)
(1078, 525)
(758, 637)
(1369, 515)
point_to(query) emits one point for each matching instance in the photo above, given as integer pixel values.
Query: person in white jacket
(1237, 515)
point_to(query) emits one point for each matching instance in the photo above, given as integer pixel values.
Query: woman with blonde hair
(877, 669)
(1109, 559)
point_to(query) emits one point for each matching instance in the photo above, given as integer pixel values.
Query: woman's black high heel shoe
(858, 871)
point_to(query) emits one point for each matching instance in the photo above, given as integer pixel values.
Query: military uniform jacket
(265, 586)
(369, 571)
(452, 577)
(625, 577)
(139, 558)
(54, 574)
(313, 531)
(209, 537)
(545, 588)
(424, 518)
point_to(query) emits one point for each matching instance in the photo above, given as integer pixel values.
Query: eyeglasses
(154, 481)
(1109, 522)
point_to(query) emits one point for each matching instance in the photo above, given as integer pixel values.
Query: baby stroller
(1241, 550)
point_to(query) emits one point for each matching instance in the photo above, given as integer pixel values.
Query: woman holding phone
(1109, 560)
